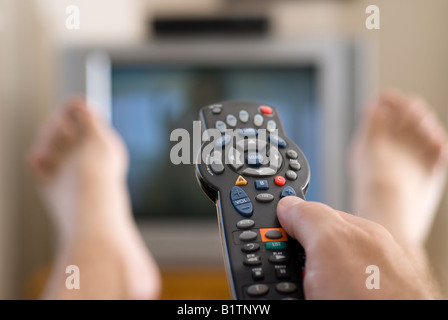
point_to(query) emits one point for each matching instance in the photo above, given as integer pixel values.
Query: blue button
(261, 185)
(248, 132)
(222, 141)
(288, 191)
(255, 159)
(277, 140)
(241, 202)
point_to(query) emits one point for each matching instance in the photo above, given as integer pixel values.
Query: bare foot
(80, 166)
(399, 164)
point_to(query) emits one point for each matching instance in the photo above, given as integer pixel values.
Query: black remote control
(246, 169)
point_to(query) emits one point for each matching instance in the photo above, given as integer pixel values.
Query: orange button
(280, 181)
(264, 238)
(266, 110)
(240, 181)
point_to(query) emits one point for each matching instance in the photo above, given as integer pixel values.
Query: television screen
(150, 101)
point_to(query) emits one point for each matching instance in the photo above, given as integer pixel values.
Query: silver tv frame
(345, 80)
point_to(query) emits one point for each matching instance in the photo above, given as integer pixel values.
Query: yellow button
(240, 181)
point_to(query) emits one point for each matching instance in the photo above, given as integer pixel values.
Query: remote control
(247, 165)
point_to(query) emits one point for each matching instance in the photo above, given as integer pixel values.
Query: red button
(280, 181)
(266, 110)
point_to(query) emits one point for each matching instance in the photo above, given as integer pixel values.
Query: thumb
(305, 221)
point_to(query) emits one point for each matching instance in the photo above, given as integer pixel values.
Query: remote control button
(275, 158)
(216, 110)
(248, 132)
(280, 181)
(250, 247)
(294, 165)
(255, 159)
(221, 126)
(276, 245)
(280, 142)
(252, 260)
(217, 168)
(278, 258)
(271, 125)
(292, 154)
(261, 185)
(257, 290)
(291, 175)
(245, 224)
(257, 274)
(266, 110)
(258, 120)
(243, 207)
(244, 116)
(240, 181)
(282, 272)
(264, 197)
(231, 120)
(274, 234)
(222, 141)
(251, 145)
(248, 236)
(288, 191)
(286, 287)
(259, 172)
(235, 159)
(241, 202)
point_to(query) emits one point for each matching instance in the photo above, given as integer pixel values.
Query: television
(148, 90)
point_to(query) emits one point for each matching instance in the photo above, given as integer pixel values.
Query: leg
(80, 166)
(399, 162)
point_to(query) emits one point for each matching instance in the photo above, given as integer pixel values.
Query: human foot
(80, 167)
(398, 164)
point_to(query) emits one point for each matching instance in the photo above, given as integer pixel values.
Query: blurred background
(151, 64)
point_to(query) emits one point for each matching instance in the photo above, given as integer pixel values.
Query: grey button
(222, 141)
(274, 234)
(258, 172)
(257, 290)
(248, 236)
(251, 145)
(217, 168)
(265, 197)
(281, 272)
(252, 260)
(271, 125)
(286, 287)
(248, 132)
(245, 224)
(216, 110)
(291, 175)
(278, 258)
(231, 120)
(235, 159)
(250, 247)
(292, 154)
(258, 120)
(294, 165)
(257, 273)
(244, 116)
(221, 126)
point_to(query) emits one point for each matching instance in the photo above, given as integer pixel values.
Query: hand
(339, 247)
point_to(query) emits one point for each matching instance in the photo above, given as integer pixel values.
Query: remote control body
(245, 169)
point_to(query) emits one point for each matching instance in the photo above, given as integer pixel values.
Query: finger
(306, 221)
